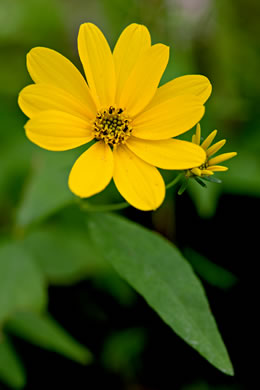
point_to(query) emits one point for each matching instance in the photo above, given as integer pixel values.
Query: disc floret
(112, 125)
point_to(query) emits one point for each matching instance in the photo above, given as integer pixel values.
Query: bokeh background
(214, 227)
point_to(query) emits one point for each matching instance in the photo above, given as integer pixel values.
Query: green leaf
(21, 283)
(48, 189)
(15, 152)
(122, 350)
(115, 286)
(65, 261)
(11, 368)
(157, 270)
(68, 254)
(43, 331)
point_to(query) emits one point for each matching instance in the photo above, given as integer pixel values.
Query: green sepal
(200, 182)
(212, 179)
(183, 186)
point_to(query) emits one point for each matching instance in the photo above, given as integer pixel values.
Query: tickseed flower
(120, 107)
(210, 165)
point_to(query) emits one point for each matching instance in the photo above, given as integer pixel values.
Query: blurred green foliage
(122, 350)
(217, 38)
(11, 368)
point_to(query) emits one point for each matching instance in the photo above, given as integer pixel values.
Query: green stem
(174, 181)
(103, 207)
(86, 206)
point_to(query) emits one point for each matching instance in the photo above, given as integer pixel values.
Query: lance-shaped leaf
(11, 369)
(44, 331)
(21, 283)
(157, 270)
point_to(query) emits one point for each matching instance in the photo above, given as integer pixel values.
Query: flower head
(119, 106)
(210, 165)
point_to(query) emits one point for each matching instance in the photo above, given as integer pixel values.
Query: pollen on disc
(112, 125)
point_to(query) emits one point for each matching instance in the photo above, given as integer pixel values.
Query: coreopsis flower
(210, 165)
(119, 106)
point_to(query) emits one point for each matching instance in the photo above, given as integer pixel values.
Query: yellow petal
(92, 171)
(217, 168)
(196, 171)
(50, 67)
(168, 154)
(197, 135)
(208, 141)
(207, 172)
(143, 81)
(186, 85)
(215, 148)
(138, 182)
(55, 130)
(98, 63)
(222, 157)
(133, 41)
(169, 119)
(41, 97)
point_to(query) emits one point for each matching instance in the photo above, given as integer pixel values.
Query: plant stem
(86, 206)
(103, 207)
(174, 181)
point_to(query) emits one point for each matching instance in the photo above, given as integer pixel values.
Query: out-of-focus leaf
(11, 368)
(64, 254)
(211, 272)
(205, 199)
(13, 170)
(30, 22)
(119, 16)
(23, 25)
(15, 151)
(201, 385)
(43, 331)
(157, 270)
(69, 256)
(243, 176)
(13, 73)
(111, 282)
(197, 386)
(121, 352)
(21, 282)
(47, 191)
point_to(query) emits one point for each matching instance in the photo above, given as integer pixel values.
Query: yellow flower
(121, 107)
(210, 165)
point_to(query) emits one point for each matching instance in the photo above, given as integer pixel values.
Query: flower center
(205, 165)
(112, 126)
